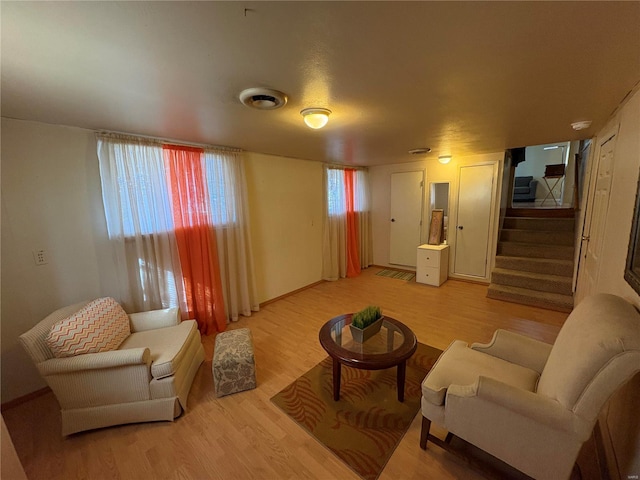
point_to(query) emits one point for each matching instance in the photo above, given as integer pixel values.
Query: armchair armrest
(154, 319)
(95, 361)
(537, 407)
(515, 348)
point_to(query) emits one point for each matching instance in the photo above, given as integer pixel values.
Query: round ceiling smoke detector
(581, 125)
(263, 98)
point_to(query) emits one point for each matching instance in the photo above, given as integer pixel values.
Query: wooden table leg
(337, 370)
(402, 369)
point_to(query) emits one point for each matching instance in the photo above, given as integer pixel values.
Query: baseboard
(311, 285)
(468, 280)
(23, 399)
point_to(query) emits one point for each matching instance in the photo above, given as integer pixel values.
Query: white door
(595, 220)
(406, 217)
(584, 168)
(473, 222)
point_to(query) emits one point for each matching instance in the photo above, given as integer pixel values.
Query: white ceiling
(459, 77)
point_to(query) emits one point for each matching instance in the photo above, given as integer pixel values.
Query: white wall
(285, 201)
(621, 419)
(380, 178)
(51, 200)
(536, 159)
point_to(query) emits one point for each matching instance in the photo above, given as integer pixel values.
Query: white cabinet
(433, 264)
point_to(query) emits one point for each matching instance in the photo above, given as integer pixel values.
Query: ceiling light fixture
(263, 98)
(315, 117)
(551, 148)
(444, 159)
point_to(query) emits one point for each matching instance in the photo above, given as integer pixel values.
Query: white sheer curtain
(230, 215)
(334, 244)
(138, 208)
(140, 223)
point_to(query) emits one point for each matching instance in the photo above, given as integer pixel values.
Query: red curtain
(195, 238)
(353, 257)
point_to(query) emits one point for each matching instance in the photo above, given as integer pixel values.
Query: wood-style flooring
(244, 436)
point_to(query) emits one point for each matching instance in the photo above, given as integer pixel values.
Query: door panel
(584, 167)
(472, 232)
(595, 221)
(406, 217)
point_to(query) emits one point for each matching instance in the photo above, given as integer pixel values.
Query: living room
(52, 200)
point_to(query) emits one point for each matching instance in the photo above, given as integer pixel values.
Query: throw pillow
(99, 326)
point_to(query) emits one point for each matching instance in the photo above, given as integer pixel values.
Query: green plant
(366, 316)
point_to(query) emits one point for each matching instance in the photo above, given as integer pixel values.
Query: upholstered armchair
(146, 378)
(531, 404)
(524, 189)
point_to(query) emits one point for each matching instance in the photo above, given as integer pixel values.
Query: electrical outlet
(40, 257)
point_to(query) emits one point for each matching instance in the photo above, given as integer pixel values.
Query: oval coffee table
(391, 347)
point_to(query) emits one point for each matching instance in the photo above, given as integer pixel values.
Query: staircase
(534, 262)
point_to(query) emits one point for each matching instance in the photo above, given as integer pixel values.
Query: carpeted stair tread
(541, 212)
(551, 301)
(524, 249)
(531, 223)
(537, 265)
(534, 261)
(542, 282)
(547, 237)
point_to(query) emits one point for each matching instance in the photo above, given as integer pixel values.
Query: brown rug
(364, 427)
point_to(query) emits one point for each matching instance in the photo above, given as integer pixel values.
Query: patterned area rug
(364, 427)
(397, 274)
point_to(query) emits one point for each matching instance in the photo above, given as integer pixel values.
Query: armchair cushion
(168, 346)
(452, 368)
(99, 326)
(141, 321)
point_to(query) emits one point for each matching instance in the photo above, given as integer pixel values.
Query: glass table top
(387, 340)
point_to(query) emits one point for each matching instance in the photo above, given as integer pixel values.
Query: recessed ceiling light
(420, 151)
(263, 98)
(581, 125)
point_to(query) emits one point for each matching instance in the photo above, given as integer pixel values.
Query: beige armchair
(147, 378)
(531, 404)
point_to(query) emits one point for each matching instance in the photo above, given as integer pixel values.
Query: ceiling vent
(420, 151)
(263, 98)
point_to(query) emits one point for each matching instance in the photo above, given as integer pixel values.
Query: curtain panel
(137, 207)
(229, 207)
(347, 222)
(362, 203)
(196, 240)
(150, 232)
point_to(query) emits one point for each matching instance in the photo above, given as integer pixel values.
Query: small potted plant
(366, 323)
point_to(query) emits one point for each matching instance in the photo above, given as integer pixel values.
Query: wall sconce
(315, 117)
(444, 159)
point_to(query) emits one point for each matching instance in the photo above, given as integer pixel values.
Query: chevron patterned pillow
(99, 326)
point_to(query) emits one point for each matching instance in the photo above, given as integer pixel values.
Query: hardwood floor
(244, 435)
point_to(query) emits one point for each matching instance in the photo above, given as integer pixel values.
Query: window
(336, 202)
